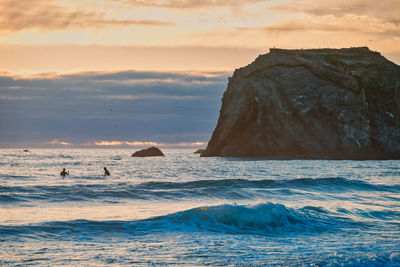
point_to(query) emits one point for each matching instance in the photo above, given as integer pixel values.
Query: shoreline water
(184, 210)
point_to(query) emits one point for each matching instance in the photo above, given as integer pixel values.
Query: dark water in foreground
(186, 210)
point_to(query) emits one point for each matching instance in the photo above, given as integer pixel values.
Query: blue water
(184, 210)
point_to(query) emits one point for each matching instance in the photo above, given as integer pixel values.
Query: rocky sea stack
(316, 103)
(148, 152)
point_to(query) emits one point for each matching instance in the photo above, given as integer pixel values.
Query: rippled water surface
(184, 210)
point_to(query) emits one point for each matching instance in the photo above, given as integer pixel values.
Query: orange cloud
(114, 143)
(136, 143)
(330, 24)
(187, 4)
(121, 143)
(185, 144)
(140, 143)
(355, 16)
(58, 142)
(45, 15)
(108, 143)
(388, 10)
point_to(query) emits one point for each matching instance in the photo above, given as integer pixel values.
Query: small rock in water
(199, 151)
(149, 152)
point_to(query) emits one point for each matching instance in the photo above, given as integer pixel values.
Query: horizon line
(56, 73)
(55, 143)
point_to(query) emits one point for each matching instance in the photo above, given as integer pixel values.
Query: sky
(136, 72)
(125, 108)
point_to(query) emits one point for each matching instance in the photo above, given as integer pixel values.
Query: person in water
(106, 172)
(64, 172)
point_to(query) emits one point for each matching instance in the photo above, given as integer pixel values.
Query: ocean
(186, 210)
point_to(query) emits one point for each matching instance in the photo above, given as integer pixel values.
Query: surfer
(106, 172)
(64, 172)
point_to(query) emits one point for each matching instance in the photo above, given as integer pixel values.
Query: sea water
(186, 210)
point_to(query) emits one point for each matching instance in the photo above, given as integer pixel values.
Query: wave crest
(264, 219)
(267, 218)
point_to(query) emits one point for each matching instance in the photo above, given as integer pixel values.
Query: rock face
(149, 152)
(317, 103)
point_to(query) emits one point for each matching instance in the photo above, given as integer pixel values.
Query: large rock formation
(317, 103)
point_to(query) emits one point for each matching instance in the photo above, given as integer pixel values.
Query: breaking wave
(262, 219)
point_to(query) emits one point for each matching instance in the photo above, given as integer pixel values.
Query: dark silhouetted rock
(199, 151)
(26, 150)
(317, 103)
(149, 152)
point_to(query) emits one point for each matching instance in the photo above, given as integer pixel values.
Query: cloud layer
(129, 34)
(384, 9)
(126, 106)
(355, 16)
(190, 4)
(47, 15)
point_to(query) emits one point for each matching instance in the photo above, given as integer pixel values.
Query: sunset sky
(166, 54)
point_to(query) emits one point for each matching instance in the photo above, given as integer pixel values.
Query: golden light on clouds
(58, 142)
(120, 143)
(115, 143)
(141, 144)
(59, 35)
